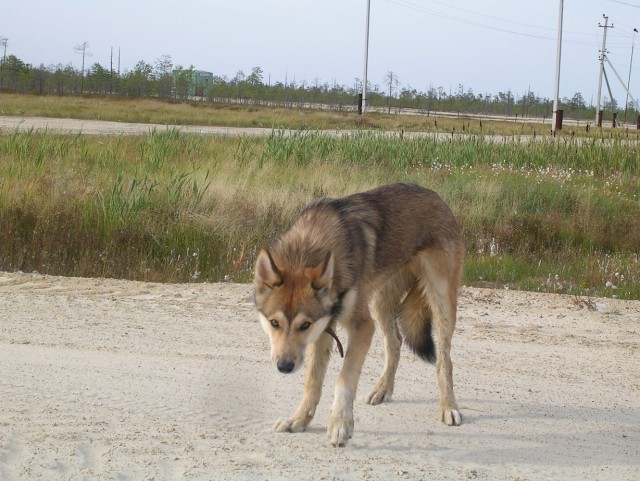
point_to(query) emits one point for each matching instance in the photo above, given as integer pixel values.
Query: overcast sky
(488, 45)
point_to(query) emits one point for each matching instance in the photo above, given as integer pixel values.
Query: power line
(435, 13)
(440, 14)
(624, 33)
(492, 17)
(624, 3)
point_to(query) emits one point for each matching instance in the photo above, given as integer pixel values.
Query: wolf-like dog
(393, 254)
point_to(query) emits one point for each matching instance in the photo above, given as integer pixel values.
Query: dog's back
(372, 233)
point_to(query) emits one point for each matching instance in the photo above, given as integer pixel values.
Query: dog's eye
(305, 325)
(275, 323)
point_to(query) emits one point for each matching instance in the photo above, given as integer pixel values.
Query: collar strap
(332, 333)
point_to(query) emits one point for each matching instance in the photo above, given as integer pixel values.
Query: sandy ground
(116, 380)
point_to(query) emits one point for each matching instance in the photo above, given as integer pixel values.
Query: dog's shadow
(556, 431)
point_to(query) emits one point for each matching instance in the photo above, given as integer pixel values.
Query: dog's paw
(380, 393)
(340, 430)
(292, 425)
(450, 416)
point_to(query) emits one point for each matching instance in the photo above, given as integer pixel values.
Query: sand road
(116, 380)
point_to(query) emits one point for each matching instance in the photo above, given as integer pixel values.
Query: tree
(82, 48)
(99, 79)
(408, 95)
(164, 80)
(610, 104)
(527, 102)
(12, 73)
(576, 104)
(391, 80)
(161, 80)
(577, 101)
(221, 88)
(255, 80)
(238, 80)
(505, 99)
(60, 81)
(4, 41)
(183, 82)
(39, 77)
(138, 82)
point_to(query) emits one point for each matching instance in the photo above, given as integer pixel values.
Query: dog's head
(294, 307)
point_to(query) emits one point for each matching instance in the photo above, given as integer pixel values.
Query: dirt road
(103, 127)
(105, 379)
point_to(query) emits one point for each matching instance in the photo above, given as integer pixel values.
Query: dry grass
(582, 302)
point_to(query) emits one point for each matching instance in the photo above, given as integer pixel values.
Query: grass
(203, 113)
(170, 206)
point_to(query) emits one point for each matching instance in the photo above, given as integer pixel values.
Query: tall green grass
(169, 206)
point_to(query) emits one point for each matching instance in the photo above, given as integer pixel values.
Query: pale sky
(489, 45)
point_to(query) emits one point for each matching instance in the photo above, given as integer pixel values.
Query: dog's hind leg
(440, 287)
(318, 355)
(385, 311)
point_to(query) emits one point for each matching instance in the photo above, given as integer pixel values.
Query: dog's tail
(415, 321)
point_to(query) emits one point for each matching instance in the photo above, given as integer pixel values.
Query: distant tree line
(164, 81)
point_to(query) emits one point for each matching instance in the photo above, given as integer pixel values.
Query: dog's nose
(285, 365)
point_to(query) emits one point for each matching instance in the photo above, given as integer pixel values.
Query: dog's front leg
(341, 421)
(318, 355)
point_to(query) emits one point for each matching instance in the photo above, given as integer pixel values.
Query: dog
(394, 254)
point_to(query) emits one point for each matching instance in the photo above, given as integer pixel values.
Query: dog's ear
(267, 273)
(322, 275)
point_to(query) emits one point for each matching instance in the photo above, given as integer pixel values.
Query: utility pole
(555, 122)
(366, 60)
(602, 56)
(626, 102)
(111, 73)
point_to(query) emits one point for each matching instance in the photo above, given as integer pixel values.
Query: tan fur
(396, 249)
